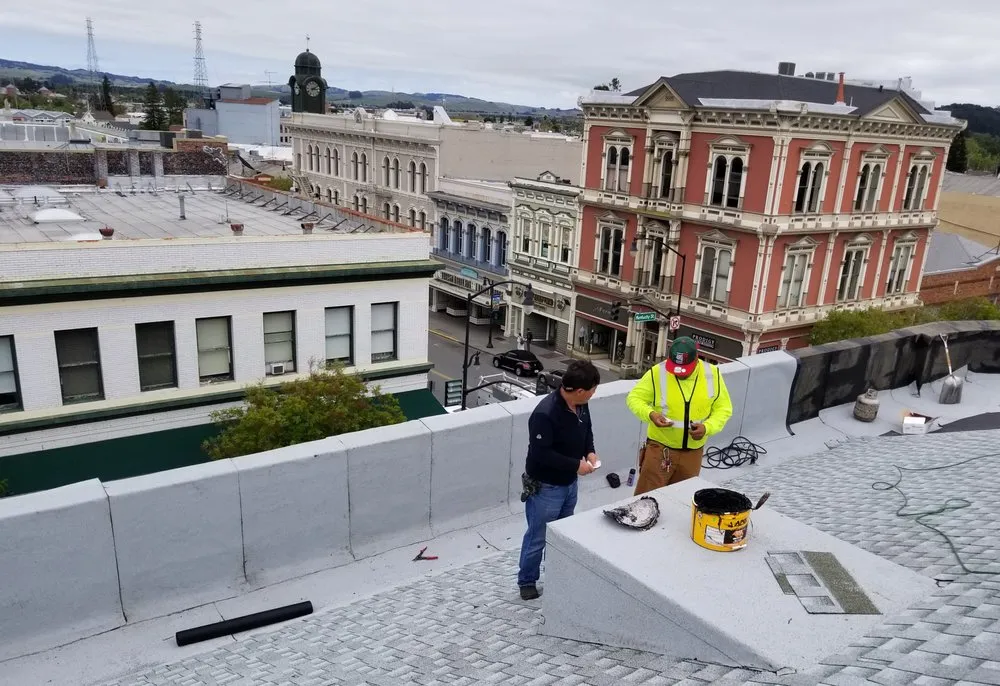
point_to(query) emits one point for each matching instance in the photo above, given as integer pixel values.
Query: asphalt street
(446, 356)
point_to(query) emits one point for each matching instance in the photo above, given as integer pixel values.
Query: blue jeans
(548, 505)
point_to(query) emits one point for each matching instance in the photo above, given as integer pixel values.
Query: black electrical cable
(738, 453)
(950, 505)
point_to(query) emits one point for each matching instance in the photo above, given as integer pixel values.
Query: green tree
(326, 403)
(152, 106)
(529, 122)
(281, 183)
(616, 84)
(602, 87)
(107, 103)
(958, 155)
(355, 95)
(173, 105)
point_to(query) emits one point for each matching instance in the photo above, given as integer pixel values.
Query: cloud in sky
(522, 51)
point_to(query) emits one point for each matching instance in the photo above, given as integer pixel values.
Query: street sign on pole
(675, 323)
(497, 298)
(452, 392)
(644, 316)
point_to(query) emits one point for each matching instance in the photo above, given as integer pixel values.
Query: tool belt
(529, 486)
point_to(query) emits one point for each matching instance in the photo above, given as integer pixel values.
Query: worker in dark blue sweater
(560, 448)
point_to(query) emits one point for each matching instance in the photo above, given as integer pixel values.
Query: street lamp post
(658, 240)
(527, 304)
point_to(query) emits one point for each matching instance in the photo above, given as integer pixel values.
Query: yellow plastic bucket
(720, 519)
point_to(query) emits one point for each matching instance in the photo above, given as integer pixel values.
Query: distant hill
(60, 76)
(981, 119)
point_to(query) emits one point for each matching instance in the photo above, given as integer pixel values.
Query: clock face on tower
(312, 88)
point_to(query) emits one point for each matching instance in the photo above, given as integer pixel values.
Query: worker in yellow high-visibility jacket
(684, 400)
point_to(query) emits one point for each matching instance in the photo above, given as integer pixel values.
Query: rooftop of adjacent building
(952, 252)
(45, 214)
(759, 90)
(388, 619)
(973, 184)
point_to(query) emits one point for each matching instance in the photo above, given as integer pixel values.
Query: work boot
(529, 592)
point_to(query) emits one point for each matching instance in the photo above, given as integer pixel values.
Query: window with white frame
(395, 173)
(423, 221)
(336, 162)
(869, 188)
(411, 172)
(364, 205)
(617, 159)
(309, 157)
(279, 342)
(900, 264)
(340, 335)
(795, 275)
(811, 185)
(916, 185)
(852, 269)
(423, 177)
(357, 203)
(385, 171)
(444, 234)
(727, 174)
(716, 265)
(363, 162)
(524, 229)
(566, 245)
(386, 209)
(610, 250)
(384, 332)
(154, 342)
(544, 239)
(215, 352)
(329, 161)
(355, 170)
(459, 237)
(666, 160)
(412, 218)
(656, 266)
(10, 396)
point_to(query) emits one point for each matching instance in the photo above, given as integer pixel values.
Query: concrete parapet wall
(203, 533)
(57, 568)
(836, 373)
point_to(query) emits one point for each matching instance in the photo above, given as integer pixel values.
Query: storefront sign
(595, 308)
(769, 348)
(713, 343)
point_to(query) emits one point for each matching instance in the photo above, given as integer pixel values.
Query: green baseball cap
(683, 356)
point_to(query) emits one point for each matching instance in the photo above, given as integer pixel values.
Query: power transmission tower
(93, 68)
(200, 71)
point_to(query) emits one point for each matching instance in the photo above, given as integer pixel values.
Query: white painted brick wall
(33, 326)
(27, 261)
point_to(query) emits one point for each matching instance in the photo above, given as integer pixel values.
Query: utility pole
(93, 68)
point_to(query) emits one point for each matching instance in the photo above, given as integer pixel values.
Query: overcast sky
(521, 51)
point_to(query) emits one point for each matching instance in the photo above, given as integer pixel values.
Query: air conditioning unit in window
(276, 368)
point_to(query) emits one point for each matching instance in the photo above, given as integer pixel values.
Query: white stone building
(386, 163)
(543, 249)
(166, 305)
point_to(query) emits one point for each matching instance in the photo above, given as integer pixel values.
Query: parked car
(521, 362)
(552, 378)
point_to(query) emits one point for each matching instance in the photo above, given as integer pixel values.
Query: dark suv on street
(521, 362)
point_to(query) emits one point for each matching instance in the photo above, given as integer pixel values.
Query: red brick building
(958, 268)
(788, 196)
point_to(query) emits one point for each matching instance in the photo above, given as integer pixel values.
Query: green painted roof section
(419, 404)
(257, 277)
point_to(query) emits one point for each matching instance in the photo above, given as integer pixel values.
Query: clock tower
(308, 85)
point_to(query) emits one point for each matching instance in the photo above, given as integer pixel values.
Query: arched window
(611, 169)
(298, 161)
(395, 173)
(918, 199)
(411, 172)
(735, 179)
(444, 242)
(623, 160)
(336, 197)
(329, 194)
(456, 228)
(872, 200)
(364, 168)
(807, 198)
(395, 213)
(486, 245)
(423, 177)
(364, 204)
(316, 158)
(385, 171)
(385, 211)
(423, 221)
(719, 175)
(413, 217)
(329, 161)
(354, 166)
(816, 188)
(470, 241)
(357, 202)
(501, 249)
(336, 162)
(309, 156)
(666, 173)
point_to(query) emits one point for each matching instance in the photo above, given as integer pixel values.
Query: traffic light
(616, 309)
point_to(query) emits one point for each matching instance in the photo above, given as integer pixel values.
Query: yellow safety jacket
(701, 398)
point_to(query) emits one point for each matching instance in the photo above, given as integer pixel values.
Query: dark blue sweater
(558, 438)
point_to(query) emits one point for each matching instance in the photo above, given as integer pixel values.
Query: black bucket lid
(721, 501)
